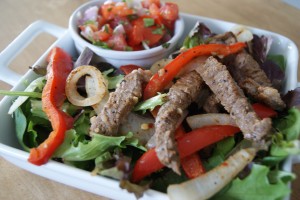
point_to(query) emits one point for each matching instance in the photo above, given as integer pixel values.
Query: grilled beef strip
(253, 80)
(217, 77)
(249, 75)
(120, 103)
(180, 96)
(212, 104)
(225, 38)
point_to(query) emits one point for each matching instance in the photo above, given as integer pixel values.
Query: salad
(129, 25)
(208, 122)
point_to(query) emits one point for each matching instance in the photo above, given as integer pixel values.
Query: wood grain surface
(16, 15)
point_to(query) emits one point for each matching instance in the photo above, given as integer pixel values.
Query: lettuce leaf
(21, 124)
(289, 126)
(256, 186)
(35, 86)
(220, 153)
(151, 103)
(113, 81)
(200, 34)
(88, 150)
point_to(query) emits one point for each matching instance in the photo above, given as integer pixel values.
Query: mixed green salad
(117, 156)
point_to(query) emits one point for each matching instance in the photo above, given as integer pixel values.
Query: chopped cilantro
(128, 48)
(148, 22)
(89, 22)
(101, 44)
(159, 30)
(105, 27)
(166, 45)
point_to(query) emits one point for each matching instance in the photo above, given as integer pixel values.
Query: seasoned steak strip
(233, 99)
(120, 103)
(253, 80)
(181, 95)
(225, 38)
(212, 104)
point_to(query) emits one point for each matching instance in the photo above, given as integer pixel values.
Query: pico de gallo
(129, 25)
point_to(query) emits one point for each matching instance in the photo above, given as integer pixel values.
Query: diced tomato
(117, 42)
(135, 37)
(104, 34)
(106, 10)
(154, 11)
(121, 9)
(137, 47)
(151, 35)
(169, 11)
(148, 3)
(110, 10)
(116, 13)
(101, 21)
(127, 69)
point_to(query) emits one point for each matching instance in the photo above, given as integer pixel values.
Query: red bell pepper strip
(53, 96)
(199, 138)
(264, 111)
(187, 145)
(192, 164)
(160, 80)
(147, 164)
(127, 69)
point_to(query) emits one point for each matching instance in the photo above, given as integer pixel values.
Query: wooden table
(16, 15)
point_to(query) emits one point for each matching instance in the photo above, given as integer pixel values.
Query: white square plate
(11, 150)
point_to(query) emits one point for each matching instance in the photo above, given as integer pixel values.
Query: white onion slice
(192, 65)
(134, 123)
(208, 184)
(159, 65)
(91, 91)
(242, 33)
(198, 121)
(100, 86)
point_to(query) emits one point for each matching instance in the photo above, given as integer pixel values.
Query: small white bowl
(117, 58)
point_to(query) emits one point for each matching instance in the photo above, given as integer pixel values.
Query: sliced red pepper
(127, 69)
(187, 145)
(264, 111)
(53, 96)
(147, 164)
(160, 80)
(199, 138)
(192, 164)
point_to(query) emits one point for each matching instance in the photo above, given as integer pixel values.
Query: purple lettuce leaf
(260, 47)
(274, 73)
(292, 98)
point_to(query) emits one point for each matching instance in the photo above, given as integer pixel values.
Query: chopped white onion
(198, 121)
(91, 91)
(155, 67)
(242, 33)
(133, 123)
(99, 86)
